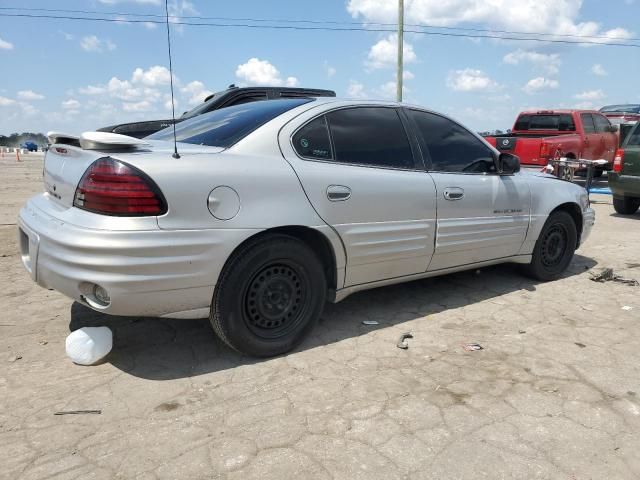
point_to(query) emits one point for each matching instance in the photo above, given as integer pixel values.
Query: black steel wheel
(269, 296)
(554, 248)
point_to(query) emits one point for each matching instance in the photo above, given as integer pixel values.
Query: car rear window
(560, 122)
(227, 126)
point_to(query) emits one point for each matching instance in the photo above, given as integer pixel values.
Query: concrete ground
(554, 394)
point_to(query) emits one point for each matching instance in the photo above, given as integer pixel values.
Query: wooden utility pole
(400, 49)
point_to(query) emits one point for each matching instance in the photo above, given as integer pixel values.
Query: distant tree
(17, 139)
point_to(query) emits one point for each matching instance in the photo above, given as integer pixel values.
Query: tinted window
(451, 147)
(370, 136)
(601, 123)
(224, 127)
(634, 137)
(560, 122)
(312, 140)
(587, 123)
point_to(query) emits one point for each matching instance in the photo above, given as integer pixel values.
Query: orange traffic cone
(18, 155)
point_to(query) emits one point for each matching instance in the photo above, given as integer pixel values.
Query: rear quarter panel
(547, 193)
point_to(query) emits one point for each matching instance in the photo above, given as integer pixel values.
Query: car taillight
(544, 150)
(111, 187)
(618, 160)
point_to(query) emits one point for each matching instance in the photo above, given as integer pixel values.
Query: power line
(320, 22)
(324, 28)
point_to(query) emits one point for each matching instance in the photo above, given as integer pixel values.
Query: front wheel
(554, 248)
(269, 296)
(626, 205)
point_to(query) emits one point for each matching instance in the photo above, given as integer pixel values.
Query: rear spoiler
(97, 140)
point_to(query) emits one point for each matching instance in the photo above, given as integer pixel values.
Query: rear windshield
(560, 122)
(226, 126)
(621, 109)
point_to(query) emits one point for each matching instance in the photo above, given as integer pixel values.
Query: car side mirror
(507, 164)
(612, 128)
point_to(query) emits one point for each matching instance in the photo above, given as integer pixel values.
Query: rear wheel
(626, 205)
(269, 296)
(554, 248)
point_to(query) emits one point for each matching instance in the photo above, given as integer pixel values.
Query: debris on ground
(14, 358)
(370, 322)
(79, 412)
(608, 275)
(472, 347)
(89, 345)
(402, 341)
(522, 331)
(626, 308)
(581, 345)
(42, 342)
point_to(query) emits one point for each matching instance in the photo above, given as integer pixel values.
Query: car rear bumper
(169, 273)
(624, 185)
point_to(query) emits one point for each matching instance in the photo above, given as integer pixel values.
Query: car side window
(451, 147)
(587, 123)
(602, 124)
(312, 140)
(371, 136)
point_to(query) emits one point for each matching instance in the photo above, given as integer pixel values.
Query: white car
(274, 207)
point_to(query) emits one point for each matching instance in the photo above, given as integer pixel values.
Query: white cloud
(196, 91)
(29, 95)
(67, 36)
(178, 9)
(91, 43)
(407, 75)
(5, 102)
(141, 106)
(389, 90)
(470, 80)
(384, 53)
(261, 72)
(356, 90)
(150, 25)
(538, 84)
(4, 45)
(550, 63)
(71, 104)
(331, 71)
(590, 95)
(92, 90)
(153, 77)
(599, 70)
(549, 16)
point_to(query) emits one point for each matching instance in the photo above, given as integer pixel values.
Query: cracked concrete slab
(555, 394)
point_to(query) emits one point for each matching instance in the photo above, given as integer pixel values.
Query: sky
(75, 76)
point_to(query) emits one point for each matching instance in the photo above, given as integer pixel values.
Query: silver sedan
(275, 207)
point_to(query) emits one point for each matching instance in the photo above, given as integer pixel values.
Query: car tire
(269, 296)
(554, 248)
(626, 205)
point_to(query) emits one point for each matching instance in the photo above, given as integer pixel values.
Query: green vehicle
(624, 180)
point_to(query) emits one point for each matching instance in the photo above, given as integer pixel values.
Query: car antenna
(173, 105)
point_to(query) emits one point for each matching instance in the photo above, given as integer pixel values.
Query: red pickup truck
(538, 136)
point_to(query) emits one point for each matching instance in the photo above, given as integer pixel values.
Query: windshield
(621, 108)
(560, 122)
(224, 127)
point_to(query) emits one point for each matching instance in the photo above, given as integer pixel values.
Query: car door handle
(453, 193)
(338, 193)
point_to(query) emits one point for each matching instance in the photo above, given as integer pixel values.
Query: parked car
(274, 207)
(624, 181)
(30, 146)
(226, 98)
(540, 135)
(618, 114)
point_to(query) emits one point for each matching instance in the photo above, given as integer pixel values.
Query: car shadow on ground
(164, 349)
(635, 216)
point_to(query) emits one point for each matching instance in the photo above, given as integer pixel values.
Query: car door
(481, 215)
(359, 171)
(592, 145)
(608, 139)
